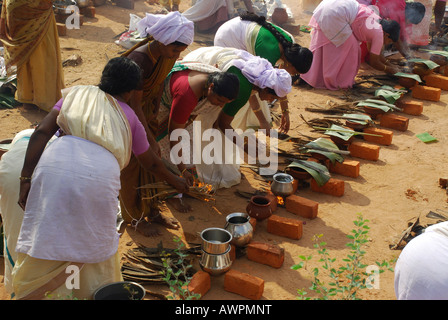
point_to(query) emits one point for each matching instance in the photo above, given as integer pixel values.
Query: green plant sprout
(176, 273)
(346, 281)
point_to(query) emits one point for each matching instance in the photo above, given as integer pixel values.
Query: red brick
(364, 150)
(394, 121)
(295, 185)
(253, 222)
(426, 93)
(347, 168)
(273, 198)
(265, 253)
(436, 81)
(334, 187)
(200, 283)
(385, 139)
(412, 107)
(301, 206)
(285, 227)
(243, 284)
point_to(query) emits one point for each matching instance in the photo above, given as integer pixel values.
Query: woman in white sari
(69, 191)
(255, 74)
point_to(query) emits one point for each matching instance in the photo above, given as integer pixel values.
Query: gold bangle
(285, 111)
(25, 178)
(385, 67)
(256, 110)
(182, 173)
(283, 99)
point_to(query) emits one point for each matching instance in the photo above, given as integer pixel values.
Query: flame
(280, 200)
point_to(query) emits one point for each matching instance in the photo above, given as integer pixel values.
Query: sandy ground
(382, 192)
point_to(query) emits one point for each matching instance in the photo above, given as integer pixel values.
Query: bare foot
(180, 204)
(157, 216)
(147, 229)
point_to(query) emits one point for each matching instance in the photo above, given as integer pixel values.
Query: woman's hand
(285, 123)
(25, 186)
(188, 176)
(179, 183)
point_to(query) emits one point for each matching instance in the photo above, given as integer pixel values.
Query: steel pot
(215, 240)
(215, 264)
(239, 226)
(282, 184)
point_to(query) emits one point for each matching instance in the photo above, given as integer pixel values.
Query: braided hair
(300, 57)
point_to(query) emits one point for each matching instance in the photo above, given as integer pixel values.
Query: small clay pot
(259, 208)
(421, 69)
(355, 125)
(440, 60)
(341, 143)
(373, 112)
(407, 82)
(279, 16)
(299, 173)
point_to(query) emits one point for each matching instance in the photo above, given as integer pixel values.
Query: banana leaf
(429, 63)
(340, 132)
(439, 52)
(375, 103)
(318, 171)
(416, 77)
(390, 94)
(326, 148)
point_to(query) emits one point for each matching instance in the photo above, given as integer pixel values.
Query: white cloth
(258, 71)
(11, 165)
(203, 9)
(167, 28)
(261, 73)
(71, 211)
(235, 34)
(421, 270)
(88, 112)
(334, 18)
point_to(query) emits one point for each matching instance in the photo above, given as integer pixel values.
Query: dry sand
(382, 192)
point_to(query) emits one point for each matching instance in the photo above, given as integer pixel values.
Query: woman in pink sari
(339, 26)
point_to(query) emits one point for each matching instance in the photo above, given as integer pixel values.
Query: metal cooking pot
(215, 240)
(282, 184)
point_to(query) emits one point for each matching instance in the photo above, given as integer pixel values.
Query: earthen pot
(259, 208)
(299, 173)
(341, 143)
(356, 125)
(421, 69)
(440, 60)
(279, 16)
(407, 82)
(373, 112)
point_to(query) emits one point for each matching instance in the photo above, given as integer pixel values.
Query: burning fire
(280, 201)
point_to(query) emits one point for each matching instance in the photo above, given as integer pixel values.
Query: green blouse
(266, 44)
(233, 107)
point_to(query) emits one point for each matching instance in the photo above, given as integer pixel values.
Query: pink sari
(334, 67)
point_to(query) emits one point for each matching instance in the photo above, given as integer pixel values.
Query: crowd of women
(100, 143)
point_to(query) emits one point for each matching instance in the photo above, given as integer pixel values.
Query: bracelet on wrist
(285, 110)
(256, 110)
(25, 178)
